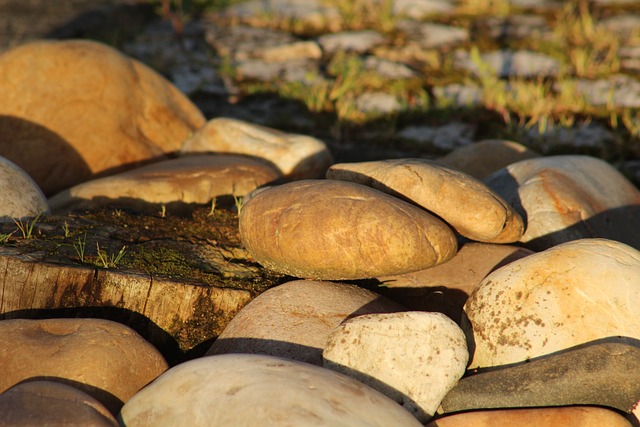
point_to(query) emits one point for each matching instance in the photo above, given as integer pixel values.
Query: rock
(414, 358)
(419, 9)
(599, 373)
(579, 416)
(247, 390)
(509, 63)
(105, 359)
(336, 230)
(192, 179)
(350, 41)
(97, 110)
(486, 157)
(446, 138)
(388, 69)
(618, 90)
(458, 95)
(587, 137)
(42, 403)
(568, 295)
(293, 320)
(377, 103)
(21, 196)
(428, 35)
(563, 198)
(446, 287)
(296, 156)
(440, 190)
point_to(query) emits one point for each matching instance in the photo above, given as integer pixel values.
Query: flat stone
(350, 41)
(571, 294)
(389, 69)
(587, 137)
(296, 156)
(242, 390)
(444, 138)
(599, 373)
(509, 63)
(52, 403)
(105, 359)
(623, 26)
(419, 9)
(429, 35)
(563, 198)
(336, 230)
(294, 320)
(579, 416)
(517, 27)
(615, 91)
(103, 111)
(440, 190)
(485, 157)
(191, 179)
(413, 357)
(295, 70)
(378, 103)
(20, 196)
(446, 287)
(459, 95)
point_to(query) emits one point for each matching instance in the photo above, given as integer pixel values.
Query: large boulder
(336, 230)
(74, 109)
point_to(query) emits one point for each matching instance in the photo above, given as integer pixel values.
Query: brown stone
(97, 110)
(105, 359)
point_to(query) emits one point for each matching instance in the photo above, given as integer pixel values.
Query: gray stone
(248, 390)
(389, 69)
(623, 26)
(429, 35)
(295, 319)
(518, 27)
(615, 91)
(377, 103)
(458, 95)
(599, 373)
(445, 138)
(20, 195)
(296, 70)
(419, 9)
(509, 63)
(630, 58)
(593, 137)
(350, 41)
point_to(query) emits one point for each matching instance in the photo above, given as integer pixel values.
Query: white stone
(351, 41)
(414, 358)
(429, 35)
(568, 295)
(419, 9)
(377, 102)
(446, 138)
(20, 195)
(508, 63)
(238, 390)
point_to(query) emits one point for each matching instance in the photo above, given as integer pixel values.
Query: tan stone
(20, 196)
(97, 110)
(294, 320)
(193, 179)
(105, 359)
(571, 294)
(486, 157)
(336, 230)
(49, 403)
(446, 287)
(234, 390)
(412, 357)
(564, 198)
(468, 205)
(296, 156)
(575, 416)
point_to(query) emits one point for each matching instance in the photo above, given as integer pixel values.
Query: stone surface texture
(21, 196)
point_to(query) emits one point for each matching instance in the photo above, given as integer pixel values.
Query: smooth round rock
(294, 320)
(550, 301)
(51, 403)
(237, 390)
(20, 196)
(336, 230)
(575, 416)
(446, 287)
(193, 179)
(442, 191)
(486, 157)
(296, 156)
(564, 198)
(105, 359)
(414, 357)
(97, 110)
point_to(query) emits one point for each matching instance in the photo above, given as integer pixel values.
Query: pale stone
(237, 390)
(51, 403)
(350, 41)
(296, 156)
(509, 63)
(442, 191)
(105, 359)
(293, 320)
(20, 195)
(413, 357)
(337, 230)
(578, 416)
(428, 35)
(389, 69)
(446, 287)
(563, 198)
(192, 179)
(419, 9)
(486, 157)
(377, 103)
(97, 110)
(568, 295)
(447, 137)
